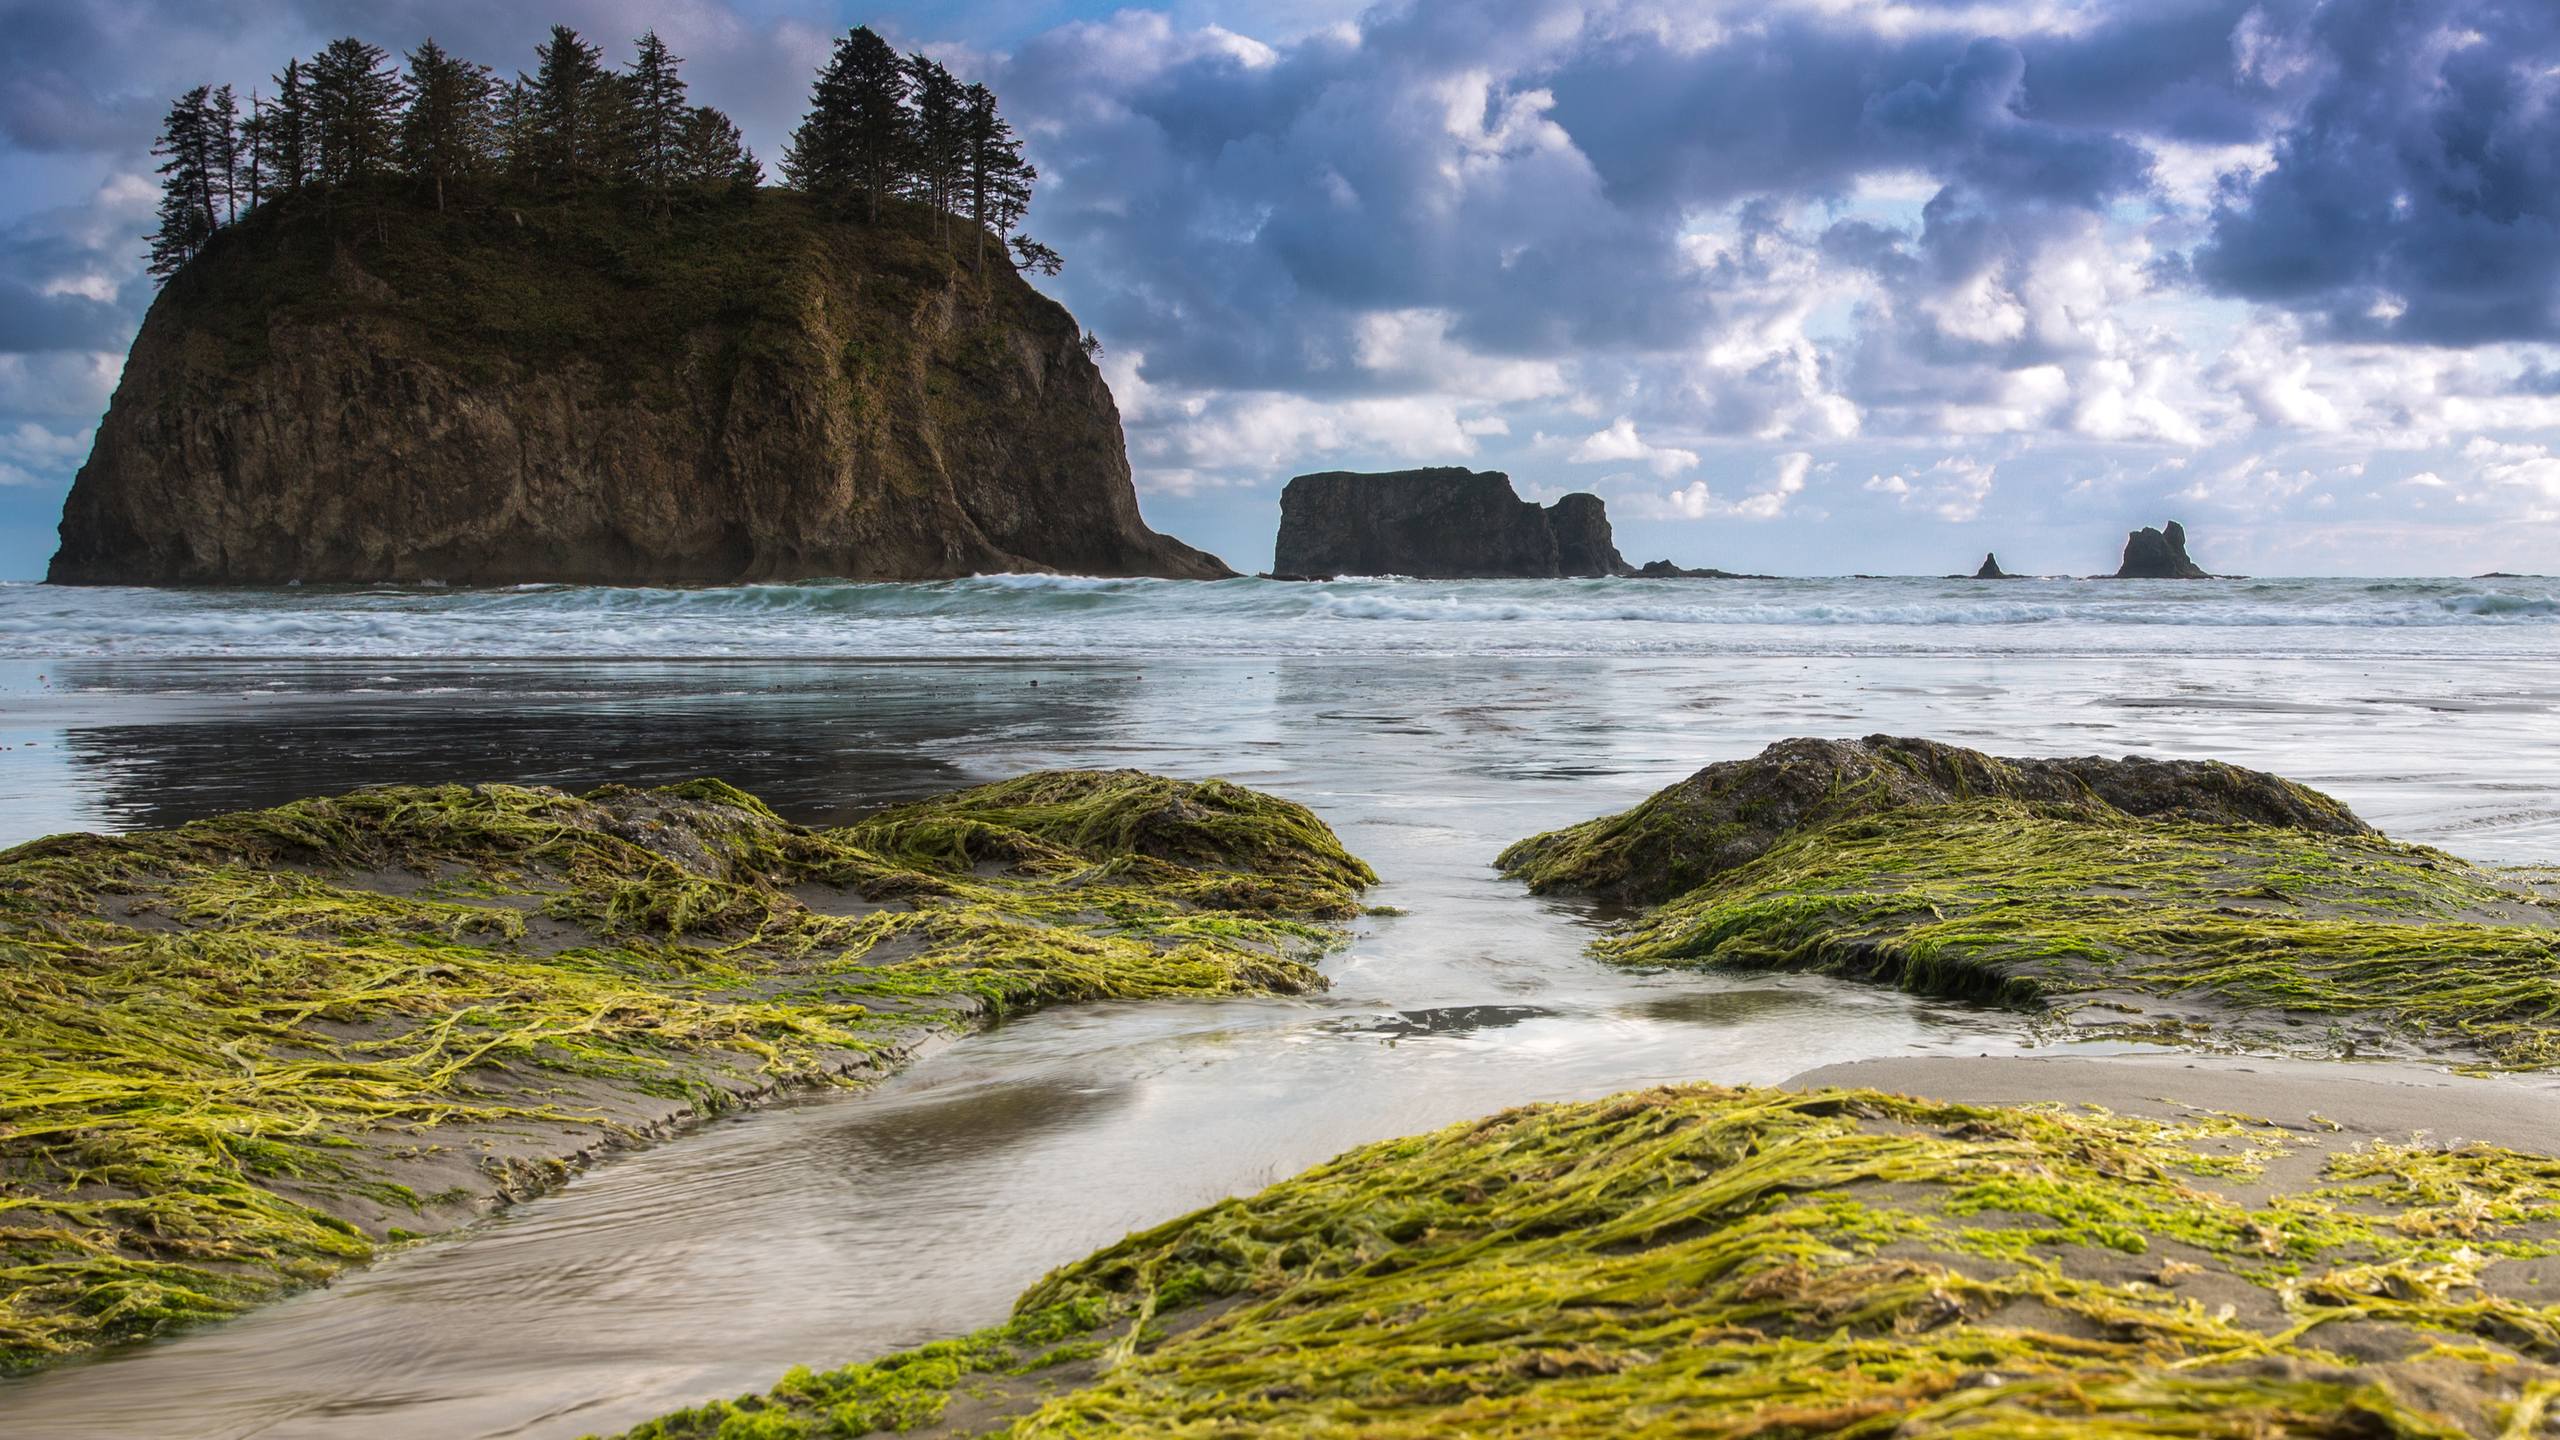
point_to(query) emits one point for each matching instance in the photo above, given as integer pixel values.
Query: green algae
(1706, 1261)
(216, 1041)
(1732, 812)
(2310, 936)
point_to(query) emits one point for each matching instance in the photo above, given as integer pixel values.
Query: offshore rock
(1991, 569)
(2159, 555)
(572, 392)
(1440, 523)
(1665, 570)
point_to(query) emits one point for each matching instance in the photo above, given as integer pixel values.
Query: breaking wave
(1067, 615)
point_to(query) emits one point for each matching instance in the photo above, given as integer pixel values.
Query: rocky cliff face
(574, 393)
(2159, 555)
(1444, 523)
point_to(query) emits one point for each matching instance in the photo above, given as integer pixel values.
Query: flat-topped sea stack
(575, 391)
(1441, 523)
(2159, 555)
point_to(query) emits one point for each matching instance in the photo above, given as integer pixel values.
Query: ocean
(1052, 616)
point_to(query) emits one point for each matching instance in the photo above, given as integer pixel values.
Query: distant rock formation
(2159, 555)
(1440, 523)
(1584, 545)
(1991, 569)
(1665, 570)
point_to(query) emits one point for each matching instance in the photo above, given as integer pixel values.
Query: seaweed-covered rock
(2158, 555)
(1732, 812)
(232, 1048)
(1700, 1261)
(2173, 901)
(1255, 851)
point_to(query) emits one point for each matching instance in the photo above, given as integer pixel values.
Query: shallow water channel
(837, 1227)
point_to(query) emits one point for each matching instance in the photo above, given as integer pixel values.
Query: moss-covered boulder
(2170, 899)
(1701, 1261)
(239, 1055)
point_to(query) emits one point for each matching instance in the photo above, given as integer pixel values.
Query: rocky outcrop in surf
(2159, 555)
(577, 392)
(1440, 523)
(1991, 569)
(590, 971)
(2167, 901)
(1665, 570)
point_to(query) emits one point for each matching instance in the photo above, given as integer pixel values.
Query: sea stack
(2159, 555)
(1991, 569)
(1440, 523)
(754, 390)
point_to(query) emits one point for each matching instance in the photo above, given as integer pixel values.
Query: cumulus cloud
(1953, 489)
(1621, 442)
(1697, 501)
(69, 275)
(2526, 474)
(2414, 189)
(31, 454)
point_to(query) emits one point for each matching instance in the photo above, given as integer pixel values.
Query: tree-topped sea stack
(424, 326)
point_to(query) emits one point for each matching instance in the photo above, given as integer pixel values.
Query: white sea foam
(1064, 615)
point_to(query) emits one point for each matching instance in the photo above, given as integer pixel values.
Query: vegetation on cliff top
(2104, 888)
(1705, 1261)
(666, 313)
(219, 1042)
(447, 131)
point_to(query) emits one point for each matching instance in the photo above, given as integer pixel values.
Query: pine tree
(253, 151)
(879, 130)
(710, 151)
(355, 110)
(613, 129)
(658, 115)
(565, 90)
(284, 133)
(222, 151)
(816, 159)
(1030, 254)
(188, 216)
(857, 133)
(997, 179)
(515, 130)
(938, 148)
(446, 133)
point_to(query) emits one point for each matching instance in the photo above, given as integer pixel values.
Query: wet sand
(2353, 1100)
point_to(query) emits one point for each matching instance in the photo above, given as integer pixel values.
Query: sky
(1805, 286)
